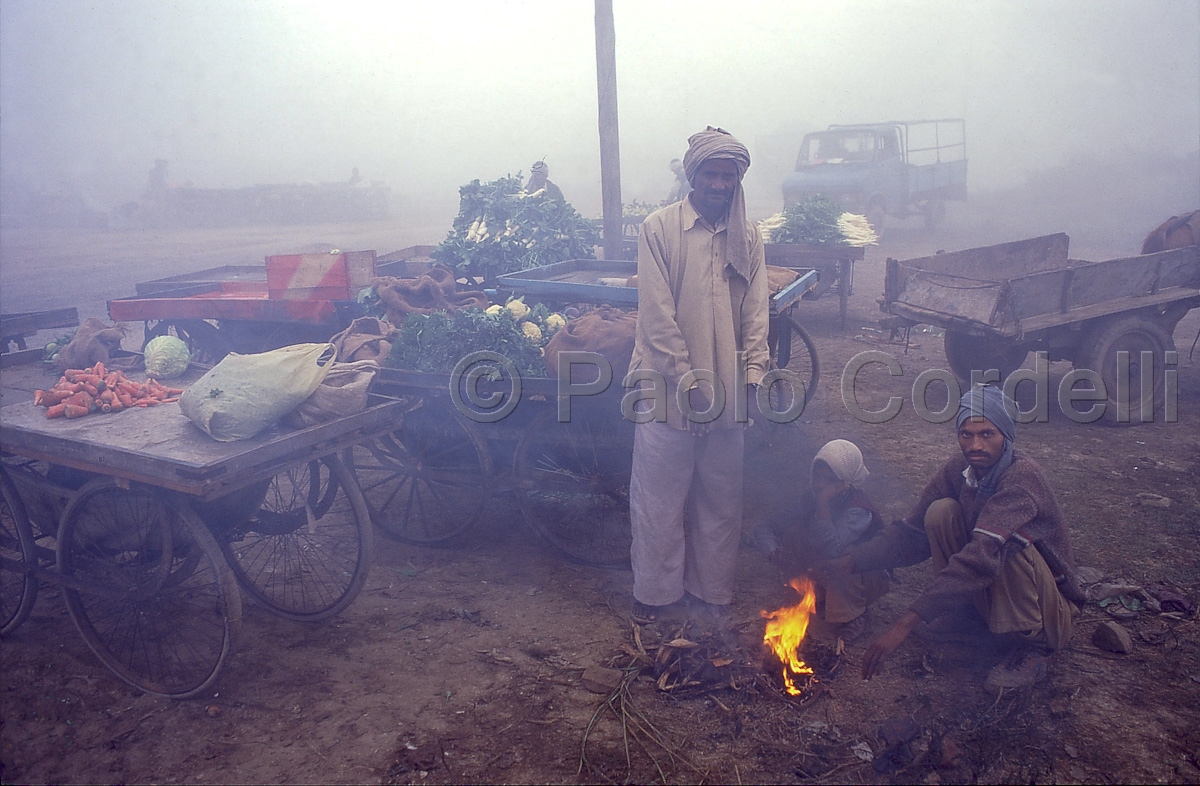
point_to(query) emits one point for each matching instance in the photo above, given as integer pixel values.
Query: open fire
(785, 633)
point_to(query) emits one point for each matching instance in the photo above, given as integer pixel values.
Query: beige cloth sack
(606, 330)
(343, 392)
(93, 341)
(244, 394)
(366, 338)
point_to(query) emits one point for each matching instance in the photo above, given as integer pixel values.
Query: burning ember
(785, 632)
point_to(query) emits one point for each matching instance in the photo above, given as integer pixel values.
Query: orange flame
(785, 632)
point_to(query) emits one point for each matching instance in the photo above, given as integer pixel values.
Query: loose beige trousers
(1024, 599)
(685, 506)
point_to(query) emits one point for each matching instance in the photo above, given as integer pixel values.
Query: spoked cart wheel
(305, 551)
(429, 481)
(18, 559)
(795, 351)
(572, 482)
(147, 587)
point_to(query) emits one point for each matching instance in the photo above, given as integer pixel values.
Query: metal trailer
(233, 308)
(436, 475)
(146, 527)
(997, 303)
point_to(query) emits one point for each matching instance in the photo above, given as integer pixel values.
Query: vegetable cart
(15, 328)
(999, 302)
(834, 263)
(568, 462)
(147, 527)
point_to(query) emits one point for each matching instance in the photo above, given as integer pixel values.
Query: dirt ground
(466, 664)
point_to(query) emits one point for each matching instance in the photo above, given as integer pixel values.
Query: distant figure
(157, 182)
(539, 179)
(682, 187)
(355, 178)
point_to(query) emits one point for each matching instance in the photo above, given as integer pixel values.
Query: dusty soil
(466, 664)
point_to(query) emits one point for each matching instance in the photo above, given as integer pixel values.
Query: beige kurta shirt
(694, 311)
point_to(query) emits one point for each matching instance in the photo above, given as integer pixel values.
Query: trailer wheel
(967, 353)
(1134, 335)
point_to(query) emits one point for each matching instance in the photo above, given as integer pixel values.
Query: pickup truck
(898, 168)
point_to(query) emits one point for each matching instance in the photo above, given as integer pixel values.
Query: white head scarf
(845, 459)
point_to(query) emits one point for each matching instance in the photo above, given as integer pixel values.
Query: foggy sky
(426, 96)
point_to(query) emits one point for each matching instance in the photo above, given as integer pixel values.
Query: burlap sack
(342, 392)
(779, 277)
(432, 291)
(94, 341)
(606, 330)
(367, 338)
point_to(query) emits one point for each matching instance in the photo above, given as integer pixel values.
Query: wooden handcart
(148, 526)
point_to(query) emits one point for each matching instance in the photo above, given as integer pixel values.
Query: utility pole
(610, 148)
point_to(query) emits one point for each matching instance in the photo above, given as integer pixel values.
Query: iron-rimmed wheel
(430, 480)
(305, 553)
(967, 353)
(1133, 335)
(18, 583)
(147, 587)
(572, 482)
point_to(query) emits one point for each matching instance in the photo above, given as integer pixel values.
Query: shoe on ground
(1025, 667)
(854, 629)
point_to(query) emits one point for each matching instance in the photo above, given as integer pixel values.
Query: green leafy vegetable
(813, 220)
(501, 229)
(438, 341)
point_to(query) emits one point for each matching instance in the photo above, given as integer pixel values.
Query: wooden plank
(160, 446)
(214, 275)
(1001, 262)
(1105, 308)
(21, 357)
(26, 322)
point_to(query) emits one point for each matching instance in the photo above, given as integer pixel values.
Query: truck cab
(898, 168)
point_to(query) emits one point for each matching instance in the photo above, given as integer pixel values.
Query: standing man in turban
(701, 333)
(999, 542)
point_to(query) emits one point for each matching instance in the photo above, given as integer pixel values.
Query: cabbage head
(166, 357)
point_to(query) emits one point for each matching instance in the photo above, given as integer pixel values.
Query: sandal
(643, 614)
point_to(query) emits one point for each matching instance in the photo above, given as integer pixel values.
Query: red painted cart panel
(229, 300)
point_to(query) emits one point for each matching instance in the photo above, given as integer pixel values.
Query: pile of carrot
(83, 391)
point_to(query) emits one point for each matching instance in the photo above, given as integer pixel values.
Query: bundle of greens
(813, 220)
(500, 229)
(638, 209)
(438, 341)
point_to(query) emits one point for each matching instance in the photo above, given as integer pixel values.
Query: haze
(428, 96)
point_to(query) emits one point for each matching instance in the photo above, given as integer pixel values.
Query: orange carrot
(73, 411)
(171, 400)
(56, 411)
(98, 369)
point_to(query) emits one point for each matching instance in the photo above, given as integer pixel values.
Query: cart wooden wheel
(147, 587)
(18, 559)
(1133, 335)
(572, 482)
(797, 352)
(305, 552)
(203, 339)
(966, 353)
(430, 480)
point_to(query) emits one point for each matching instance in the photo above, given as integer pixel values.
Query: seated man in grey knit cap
(997, 536)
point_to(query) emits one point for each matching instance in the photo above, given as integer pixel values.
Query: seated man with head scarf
(1000, 544)
(539, 175)
(834, 515)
